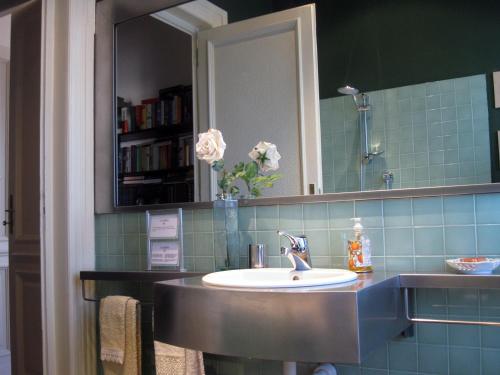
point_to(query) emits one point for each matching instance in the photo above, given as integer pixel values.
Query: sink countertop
(366, 280)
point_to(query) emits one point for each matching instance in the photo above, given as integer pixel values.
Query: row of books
(172, 107)
(150, 155)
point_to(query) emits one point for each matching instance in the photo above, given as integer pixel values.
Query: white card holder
(165, 245)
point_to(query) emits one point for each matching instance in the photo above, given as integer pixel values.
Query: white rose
(210, 146)
(266, 155)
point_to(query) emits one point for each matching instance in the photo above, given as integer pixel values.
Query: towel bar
(443, 321)
(85, 298)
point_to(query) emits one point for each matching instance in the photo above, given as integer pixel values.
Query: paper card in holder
(165, 239)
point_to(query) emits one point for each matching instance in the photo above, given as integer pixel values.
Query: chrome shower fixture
(361, 100)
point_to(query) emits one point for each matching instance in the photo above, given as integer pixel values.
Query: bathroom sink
(278, 278)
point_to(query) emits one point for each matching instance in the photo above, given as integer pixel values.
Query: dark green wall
(242, 9)
(379, 44)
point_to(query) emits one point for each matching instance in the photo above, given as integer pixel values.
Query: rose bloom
(266, 155)
(210, 146)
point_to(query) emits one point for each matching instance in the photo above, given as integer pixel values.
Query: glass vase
(226, 233)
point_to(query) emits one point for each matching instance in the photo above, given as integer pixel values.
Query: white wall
(151, 55)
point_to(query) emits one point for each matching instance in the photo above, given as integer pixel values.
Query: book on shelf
(173, 106)
(185, 151)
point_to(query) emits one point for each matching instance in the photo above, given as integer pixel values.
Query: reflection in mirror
(430, 134)
(402, 106)
(154, 127)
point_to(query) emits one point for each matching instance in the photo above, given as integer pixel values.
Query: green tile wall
(407, 235)
(432, 134)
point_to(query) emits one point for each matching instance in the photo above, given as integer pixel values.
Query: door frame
(67, 184)
(4, 240)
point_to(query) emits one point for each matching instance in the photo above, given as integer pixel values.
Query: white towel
(120, 336)
(172, 360)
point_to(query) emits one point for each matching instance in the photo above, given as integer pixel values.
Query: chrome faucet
(298, 252)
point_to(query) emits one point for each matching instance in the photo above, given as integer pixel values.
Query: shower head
(348, 90)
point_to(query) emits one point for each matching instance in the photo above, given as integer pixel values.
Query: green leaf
(218, 165)
(251, 170)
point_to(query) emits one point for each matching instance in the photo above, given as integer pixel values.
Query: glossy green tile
(130, 223)
(315, 216)
(429, 241)
(115, 245)
(436, 334)
(460, 240)
(370, 212)
(101, 225)
(340, 214)
(338, 242)
(431, 301)
(377, 359)
(464, 361)
(188, 243)
(204, 244)
(429, 264)
(131, 244)
(433, 359)
(203, 220)
(290, 218)
(397, 212)
(427, 211)
(403, 356)
(187, 221)
(271, 240)
(114, 224)
(319, 243)
(458, 209)
(189, 263)
(399, 264)
(462, 335)
(246, 218)
(488, 238)
(490, 361)
(321, 261)
(488, 208)
(463, 302)
(142, 223)
(220, 245)
(101, 262)
(132, 262)
(246, 239)
(101, 245)
(398, 241)
(204, 264)
(267, 218)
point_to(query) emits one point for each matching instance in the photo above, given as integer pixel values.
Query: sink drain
(295, 278)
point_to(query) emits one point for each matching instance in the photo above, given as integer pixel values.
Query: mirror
(406, 97)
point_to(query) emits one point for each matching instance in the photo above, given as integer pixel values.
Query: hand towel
(172, 360)
(120, 336)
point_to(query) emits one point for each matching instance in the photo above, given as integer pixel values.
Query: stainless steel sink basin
(278, 278)
(339, 323)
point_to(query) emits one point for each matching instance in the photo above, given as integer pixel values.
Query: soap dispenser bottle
(358, 249)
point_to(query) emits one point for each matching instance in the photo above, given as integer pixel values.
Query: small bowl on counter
(474, 265)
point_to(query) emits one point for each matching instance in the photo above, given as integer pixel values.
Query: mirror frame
(109, 13)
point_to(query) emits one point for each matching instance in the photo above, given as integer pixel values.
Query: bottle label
(359, 254)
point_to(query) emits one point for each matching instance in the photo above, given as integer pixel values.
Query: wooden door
(257, 80)
(24, 191)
